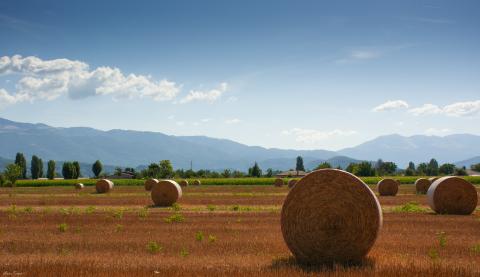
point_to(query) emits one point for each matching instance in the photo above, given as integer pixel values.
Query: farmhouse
(123, 175)
(291, 173)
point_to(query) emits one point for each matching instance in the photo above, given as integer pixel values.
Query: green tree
(422, 169)
(255, 171)
(410, 171)
(462, 171)
(22, 163)
(350, 168)
(475, 167)
(2, 179)
(432, 168)
(68, 170)
(51, 170)
(97, 168)
(227, 173)
(166, 169)
(299, 166)
(364, 169)
(269, 173)
(446, 169)
(12, 173)
(153, 171)
(386, 168)
(118, 171)
(77, 169)
(36, 167)
(324, 165)
(411, 166)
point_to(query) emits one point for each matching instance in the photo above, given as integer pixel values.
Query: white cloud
(6, 98)
(49, 79)
(463, 108)
(364, 54)
(391, 105)
(208, 96)
(434, 131)
(180, 123)
(233, 121)
(469, 108)
(426, 109)
(205, 120)
(311, 136)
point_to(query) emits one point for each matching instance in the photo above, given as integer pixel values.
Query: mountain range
(137, 148)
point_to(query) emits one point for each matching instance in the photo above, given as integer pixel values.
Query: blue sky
(288, 74)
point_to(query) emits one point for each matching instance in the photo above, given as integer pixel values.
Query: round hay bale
(184, 183)
(103, 186)
(330, 216)
(422, 185)
(79, 186)
(149, 184)
(452, 195)
(292, 183)
(196, 182)
(278, 182)
(165, 193)
(387, 187)
(433, 179)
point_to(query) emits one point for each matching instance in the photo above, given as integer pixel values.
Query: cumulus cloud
(208, 96)
(426, 109)
(391, 105)
(463, 108)
(233, 121)
(49, 79)
(311, 136)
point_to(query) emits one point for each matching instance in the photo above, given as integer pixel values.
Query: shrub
(211, 208)
(212, 238)
(63, 227)
(153, 247)
(177, 217)
(199, 236)
(410, 207)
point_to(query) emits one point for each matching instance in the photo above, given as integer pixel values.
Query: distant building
(123, 175)
(291, 173)
(473, 173)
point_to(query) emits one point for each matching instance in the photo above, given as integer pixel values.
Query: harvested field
(214, 231)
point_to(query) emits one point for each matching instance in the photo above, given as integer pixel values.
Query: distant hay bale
(184, 183)
(79, 186)
(387, 187)
(422, 185)
(196, 182)
(165, 193)
(278, 182)
(452, 195)
(433, 179)
(330, 216)
(149, 184)
(103, 186)
(292, 183)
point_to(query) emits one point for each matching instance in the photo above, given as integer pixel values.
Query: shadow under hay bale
(330, 216)
(452, 195)
(366, 263)
(387, 187)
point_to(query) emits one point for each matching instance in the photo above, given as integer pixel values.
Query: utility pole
(191, 165)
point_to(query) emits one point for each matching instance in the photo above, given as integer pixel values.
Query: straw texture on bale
(165, 193)
(183, 183)
(387, 187)
(278, 182)
(149, 184)
(452, 195)
(79, 186)
(422, 185)
(292, 183)
(103, 186)
(330, 216)
(197, 182)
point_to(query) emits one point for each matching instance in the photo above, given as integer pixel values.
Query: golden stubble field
(214, 231)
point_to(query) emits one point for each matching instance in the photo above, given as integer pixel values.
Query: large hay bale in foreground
(422, 185)
(292, 183)
(278, 182)
(79, 186)
(452, 195)
(184, 183)
(103, 186)
(330, 216)
(149, 183)
(433, 179)
(165, 193)
(196, 182)
(387, 187)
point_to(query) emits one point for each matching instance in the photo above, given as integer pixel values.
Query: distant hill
(136, 148)
(418, 148)
(467, 163)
